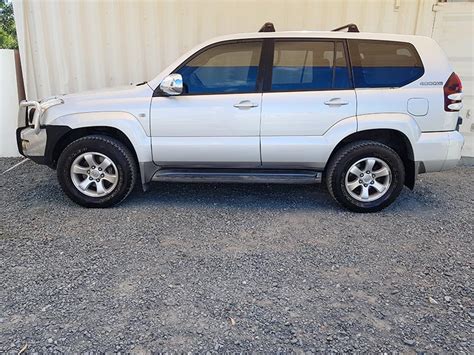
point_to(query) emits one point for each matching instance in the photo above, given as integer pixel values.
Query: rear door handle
(336, 101)
(245, 104)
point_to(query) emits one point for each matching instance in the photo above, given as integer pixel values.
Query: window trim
(265, 67)
(415, 51)
(268, 77)
(258, 85)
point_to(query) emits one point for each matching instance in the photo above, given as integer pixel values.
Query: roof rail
(350, 28)
(267, 27)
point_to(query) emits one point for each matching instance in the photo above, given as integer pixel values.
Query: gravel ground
(217, 267)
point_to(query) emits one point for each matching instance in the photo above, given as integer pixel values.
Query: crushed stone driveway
(216, 267)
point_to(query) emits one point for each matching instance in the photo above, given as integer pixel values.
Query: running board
(239, 176)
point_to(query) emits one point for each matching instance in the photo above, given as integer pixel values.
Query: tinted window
(309, 65)
(384, 64)
(226, 68)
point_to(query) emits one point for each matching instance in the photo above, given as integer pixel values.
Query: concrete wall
(8, 103)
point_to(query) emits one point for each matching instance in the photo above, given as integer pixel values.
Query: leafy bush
(7, 26)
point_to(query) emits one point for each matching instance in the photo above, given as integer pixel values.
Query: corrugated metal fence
(69, 46)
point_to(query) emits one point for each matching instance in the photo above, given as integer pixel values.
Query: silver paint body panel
(283, 130)
(205, 129)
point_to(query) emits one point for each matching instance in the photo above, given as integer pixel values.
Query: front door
(310, 91)
(215, 122)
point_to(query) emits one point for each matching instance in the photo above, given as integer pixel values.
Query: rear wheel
(96, 171)
(365, 176)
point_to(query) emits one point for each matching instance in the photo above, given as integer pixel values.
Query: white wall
(8, 104)
(453, 29)
(69, 46)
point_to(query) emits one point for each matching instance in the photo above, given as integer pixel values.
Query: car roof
(321, 34)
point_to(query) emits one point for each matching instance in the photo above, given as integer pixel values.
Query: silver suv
(363, 112)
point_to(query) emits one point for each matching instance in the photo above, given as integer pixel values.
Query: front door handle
(336, 101)
(245, 104)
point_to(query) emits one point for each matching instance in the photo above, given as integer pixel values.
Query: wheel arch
(64, 136)
(393, 138)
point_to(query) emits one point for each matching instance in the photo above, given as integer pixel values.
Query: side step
(277, 176)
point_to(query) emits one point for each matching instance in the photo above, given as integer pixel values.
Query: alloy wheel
(368, 179)
(94, 174)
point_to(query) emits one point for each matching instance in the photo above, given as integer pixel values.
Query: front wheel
(96, 171)
(365, 176)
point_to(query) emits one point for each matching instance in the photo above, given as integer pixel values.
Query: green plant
(7, 26)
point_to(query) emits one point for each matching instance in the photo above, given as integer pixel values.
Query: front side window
(384, 64)
(309, 65)
(222, 69)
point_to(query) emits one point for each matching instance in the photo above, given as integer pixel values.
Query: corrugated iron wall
(73, 45)
(456, 21)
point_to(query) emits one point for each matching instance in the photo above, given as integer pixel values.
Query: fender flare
(122, 121)
(403, 124)
(347, 127)
(400, 122)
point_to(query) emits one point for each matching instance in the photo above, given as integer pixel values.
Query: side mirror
(172, 85)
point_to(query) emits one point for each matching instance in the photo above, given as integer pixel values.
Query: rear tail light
(453, 94)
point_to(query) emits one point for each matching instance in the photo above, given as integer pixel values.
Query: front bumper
(438, 151)
(32, 136)
(31, 144)
(41, 147)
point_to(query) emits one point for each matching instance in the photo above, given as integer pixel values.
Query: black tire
(116, 151)
(344, 159)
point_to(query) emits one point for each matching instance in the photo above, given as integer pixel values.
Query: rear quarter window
(378, 64)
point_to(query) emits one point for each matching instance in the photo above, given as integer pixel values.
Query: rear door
(307, 91)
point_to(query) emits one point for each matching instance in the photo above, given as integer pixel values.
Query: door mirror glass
(172, 85)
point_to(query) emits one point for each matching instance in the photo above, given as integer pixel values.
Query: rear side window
(384, 64)
(309, 65)
(222, 69)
